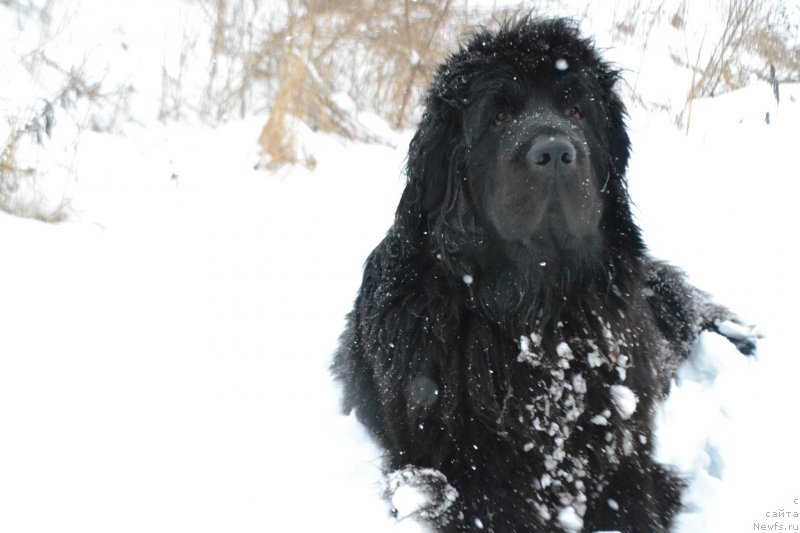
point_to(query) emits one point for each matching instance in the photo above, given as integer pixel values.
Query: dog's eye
(501, 118)
(575, 112)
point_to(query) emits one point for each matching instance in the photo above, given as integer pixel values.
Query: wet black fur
(435, 366)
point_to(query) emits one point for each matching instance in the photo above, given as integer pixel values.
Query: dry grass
(756, 38)
(72, 99)
(295, 57)
(386, 48)
(381, 53)
(33, 129)
(277, 138)
(751, 27)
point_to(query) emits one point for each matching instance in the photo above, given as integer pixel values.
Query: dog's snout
(551, 152)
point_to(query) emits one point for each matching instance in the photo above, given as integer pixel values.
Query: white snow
(407, 500)
(525, 352)
(569, 519)
(563, 350)
(164, 354)
(624, 400)
(411, 495)
(579, 384)
(594, 359)
(562, 64)
(737, 331)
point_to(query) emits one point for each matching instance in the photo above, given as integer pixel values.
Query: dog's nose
(555, 152)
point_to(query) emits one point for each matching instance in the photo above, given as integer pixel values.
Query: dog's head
(522, 145)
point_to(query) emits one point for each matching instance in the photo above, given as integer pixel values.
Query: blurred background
(72, 65)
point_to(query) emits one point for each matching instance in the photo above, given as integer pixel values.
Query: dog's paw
(422, 493)
(744, 337)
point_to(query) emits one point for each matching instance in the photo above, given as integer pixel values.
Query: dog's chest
(574, 404)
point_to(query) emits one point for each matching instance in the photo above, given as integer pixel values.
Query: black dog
(511, 337)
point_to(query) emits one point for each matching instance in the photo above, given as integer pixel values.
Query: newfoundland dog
(512, 337)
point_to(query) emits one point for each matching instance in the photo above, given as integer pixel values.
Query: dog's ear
(435, 161)
(619, 142)
(626, 235)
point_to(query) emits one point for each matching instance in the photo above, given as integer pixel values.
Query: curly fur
(527, 375)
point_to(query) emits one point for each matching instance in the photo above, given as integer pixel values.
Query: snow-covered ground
(722, 204)
(164, 353)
